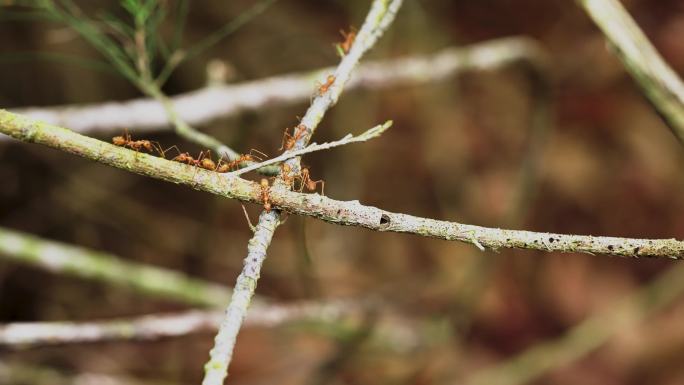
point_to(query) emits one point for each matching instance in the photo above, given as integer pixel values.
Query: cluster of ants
(286, 172)
(204, 160)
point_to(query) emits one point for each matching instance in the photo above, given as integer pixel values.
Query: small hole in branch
(384, 220)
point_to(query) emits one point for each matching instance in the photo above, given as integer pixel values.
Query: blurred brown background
(608, 165)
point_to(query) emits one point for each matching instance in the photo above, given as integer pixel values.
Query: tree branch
(153, 327)
(657, 80)
(349, 213)
(207, 104)
(19, 373)
(85, 263)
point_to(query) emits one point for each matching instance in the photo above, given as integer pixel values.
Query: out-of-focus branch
(81, 262)
(587, 336)
(207, 104)
(379, 18)
(349, 213)
(152, 327)
(656, 79)
(20, 373)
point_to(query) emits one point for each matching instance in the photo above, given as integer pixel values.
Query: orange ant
(125, 140)
(222, 167)
(290, 140)
(203, 159)
(265, 196)
(344, 47)
(184, 157)
(235, 164)
(285, 171)
(323, 88)
(310, 184)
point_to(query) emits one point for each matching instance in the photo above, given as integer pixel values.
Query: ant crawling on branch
(265, 194)
(208, 164)
(309, 183)
(323, 88)
(125, 140)
(304, 176)
(287, 175)
(203, 159)
(344, 47)
(185, 157)
(290, 140)
(250, 157)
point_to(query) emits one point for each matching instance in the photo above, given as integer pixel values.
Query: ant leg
(249, 222)
(303, 179)
(322, 182)
(253, 150)
(157, 146)
(201, 156)
(286, 135)
(164, 151)
(220, 164)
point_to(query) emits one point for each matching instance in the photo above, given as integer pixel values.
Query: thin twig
(349, 213)
(207, 104)
(348, 139)
(657, 80)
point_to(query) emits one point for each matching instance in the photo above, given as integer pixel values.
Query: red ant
(304, 177)
(290, 140)
(207, 163)
(235, 164)
(222, 167)
(285, 170)
(306, 181)
(125, 140)
(203, 159)
(184, 157)
(349, 38)
(323, 88)
(265, 194)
